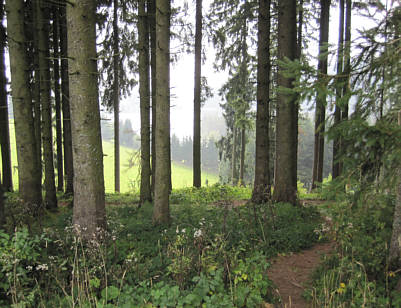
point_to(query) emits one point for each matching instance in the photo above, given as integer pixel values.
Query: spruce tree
(261, 189)
(320, 113)
(4, 123)
(197, 178)
(161, 211)
(144, 93)
(285, 185)
(89, 200)
(28, 169)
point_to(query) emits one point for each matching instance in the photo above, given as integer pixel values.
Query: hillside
(181, 175)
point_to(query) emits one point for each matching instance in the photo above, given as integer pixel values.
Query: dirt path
(291, 274)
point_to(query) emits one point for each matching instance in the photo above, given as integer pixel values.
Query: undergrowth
(211, 255)
(358, 274)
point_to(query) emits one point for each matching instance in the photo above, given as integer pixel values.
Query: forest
(293, 201)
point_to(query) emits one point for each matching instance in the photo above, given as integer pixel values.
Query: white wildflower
(198, 233)
(42, 267)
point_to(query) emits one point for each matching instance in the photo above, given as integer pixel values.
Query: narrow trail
(292, 273)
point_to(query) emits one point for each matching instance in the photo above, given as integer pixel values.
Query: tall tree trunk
(347, 59)
(285, 188)
(28, 170)
(337, 112)
(261, 189)
(161, 211)
(57, 99)
(242, 156)
(152, 31)
(395, 243)
(296, 109)
(320, 113)
(4, 124)
(116, 98)
(43, 18)
(65, 103)
(37, 107)
(346, 72)
(2, 218)
(89, 204)
(234, 173)
(197, 178)
(144, 93)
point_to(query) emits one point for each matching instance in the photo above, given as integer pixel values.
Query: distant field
(129, 177)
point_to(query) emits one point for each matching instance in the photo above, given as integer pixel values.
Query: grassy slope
(181, 176)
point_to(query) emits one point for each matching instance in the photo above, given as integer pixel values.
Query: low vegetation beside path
(210, 256)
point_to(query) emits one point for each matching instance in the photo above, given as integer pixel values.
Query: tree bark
(89, 204)
(144, 93)
(346, 72)
(28, 170)
(152, 31)
(347, 58)
(161, 211)
(339, 93)
(242, 157)
(57, 99)
(395, 243)
(116, 98)
(285, 188)
(234, 173)
(37, 107)
(320, 113)
(4, 124)
(2, 217)
(296, 108)
(65, 103)
(261, 189)
(197, 177)
(43, 17)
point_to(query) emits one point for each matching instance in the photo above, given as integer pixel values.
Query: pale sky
(182, 79)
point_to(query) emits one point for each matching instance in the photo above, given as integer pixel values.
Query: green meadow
(129, 169)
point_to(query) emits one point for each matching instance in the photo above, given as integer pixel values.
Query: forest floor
(292, 273)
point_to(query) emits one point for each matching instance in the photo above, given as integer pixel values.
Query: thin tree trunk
(261, 189)
(144, 92)
(296, 107)
(161, 211)
(28, 170)
(285, 190)
(57, 99)
(116, 98)
(152, 31)
(43, 18)
(89, 202)
(320, 113)
(346, 72)
(242, 158)
(2, 217)
(65, 102)
(337, 112)
(395, 243)
(4, 124)
(197, 178)
(234, 177)
(347, 58)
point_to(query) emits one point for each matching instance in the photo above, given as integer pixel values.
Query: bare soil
(292, 274)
